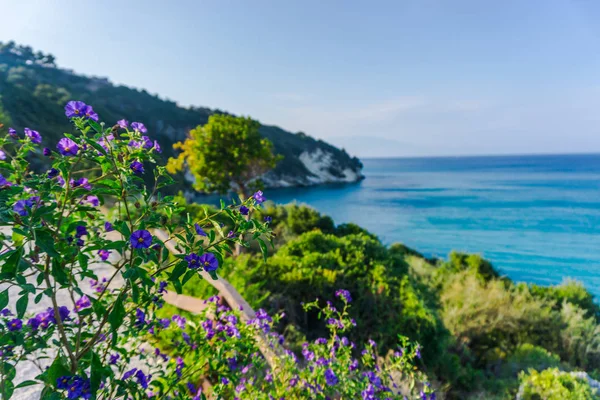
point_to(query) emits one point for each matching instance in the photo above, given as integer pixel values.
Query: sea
(535, 217)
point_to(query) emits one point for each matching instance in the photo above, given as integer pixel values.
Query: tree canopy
(227, 153)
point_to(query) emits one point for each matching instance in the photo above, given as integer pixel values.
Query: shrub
(552, 384)
(327, 368)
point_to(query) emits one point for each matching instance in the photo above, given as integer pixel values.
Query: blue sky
(381, 78)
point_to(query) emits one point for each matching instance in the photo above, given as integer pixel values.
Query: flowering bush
(55, 236)
(221, 346)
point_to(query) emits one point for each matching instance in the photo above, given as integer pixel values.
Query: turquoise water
(537, 218)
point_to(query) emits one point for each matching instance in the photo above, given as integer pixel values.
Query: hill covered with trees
(32, 86)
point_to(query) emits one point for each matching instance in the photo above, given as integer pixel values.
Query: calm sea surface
(537, 218)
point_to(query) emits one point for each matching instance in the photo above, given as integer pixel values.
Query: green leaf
(10, 265)
(22, 305)
(3, 299)
(45, 241)
(26, 383)
(96, 372)
(213, 274)
(178, 271)
(115, 319)
(56, 370)
(263, 248)
(6, 389)
(96, 146)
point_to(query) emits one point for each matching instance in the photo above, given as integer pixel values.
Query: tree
(228, 153)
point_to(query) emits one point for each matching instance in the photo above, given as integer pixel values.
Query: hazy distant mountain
(33, 91)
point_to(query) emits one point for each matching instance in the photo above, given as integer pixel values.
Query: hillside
(32, 86)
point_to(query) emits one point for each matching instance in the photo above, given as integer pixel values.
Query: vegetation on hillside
(478, 330)
(32, 88)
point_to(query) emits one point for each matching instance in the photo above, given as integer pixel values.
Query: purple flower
(52, 172)
(88, 111)
(4, 182)
(244, 210)
(353, 365)
(141, 239)
(13, 133)
(157, 147)
(147, 142)
(193, 260)
(165, 322)
(268, 219)
(63, 382)
(47, 152)
(82, 303)
(5, 312)
(142, 379)
(21, 207)
(93, 200)
(63, 312)
(140, 317)
(199, 230)
(123, 123)
(34, 136)
(138, 126)
(108, 227)
(330, 378)
(418, 351)
(137, 167)
(344, 294)
(14, 325)
(80, 231)
(224, 381)
(180, 365)
(209, 261)
(231, 235)
(2, 155)
(67, 147)
(114, 358)
(258, 197)
(129, 373)
(104, 254)
(135, 144)
(82, 183)
(162, 287)
(75, 109)
(179, 320)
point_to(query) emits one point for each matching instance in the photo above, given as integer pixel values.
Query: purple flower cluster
(344, 294)
(259, 197)
(22, 207)
(75, 109)
(141, 378)
(76, 387)
(46, 318)
(99, 286)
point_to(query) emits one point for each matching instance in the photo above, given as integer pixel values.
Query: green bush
(553, 384)
(569, 291)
